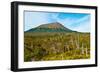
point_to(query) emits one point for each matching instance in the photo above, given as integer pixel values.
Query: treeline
(61, 46)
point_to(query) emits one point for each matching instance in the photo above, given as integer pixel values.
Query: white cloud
(82, 24)
(34, 19)
(85, 27)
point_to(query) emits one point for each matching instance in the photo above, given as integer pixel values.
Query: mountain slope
(50, 27)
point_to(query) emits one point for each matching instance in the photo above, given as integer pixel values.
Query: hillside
(51, 27)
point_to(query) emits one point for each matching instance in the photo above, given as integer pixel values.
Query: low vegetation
(56, 46)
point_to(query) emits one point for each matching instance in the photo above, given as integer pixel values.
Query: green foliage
(56, 46)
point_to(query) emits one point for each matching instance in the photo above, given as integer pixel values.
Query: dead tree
(77, 42)
(66, 47)
(82, 49)
(86, 51)
(72, 42)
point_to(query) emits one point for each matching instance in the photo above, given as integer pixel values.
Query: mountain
(50, 27)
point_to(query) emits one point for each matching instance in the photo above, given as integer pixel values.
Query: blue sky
(74, 21)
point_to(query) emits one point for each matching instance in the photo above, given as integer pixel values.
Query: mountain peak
(50, 27)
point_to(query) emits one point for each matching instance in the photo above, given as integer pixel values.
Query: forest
(56, 46)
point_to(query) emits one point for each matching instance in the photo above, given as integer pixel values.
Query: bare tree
(86, 51)
(77, 42)
(82, 49)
